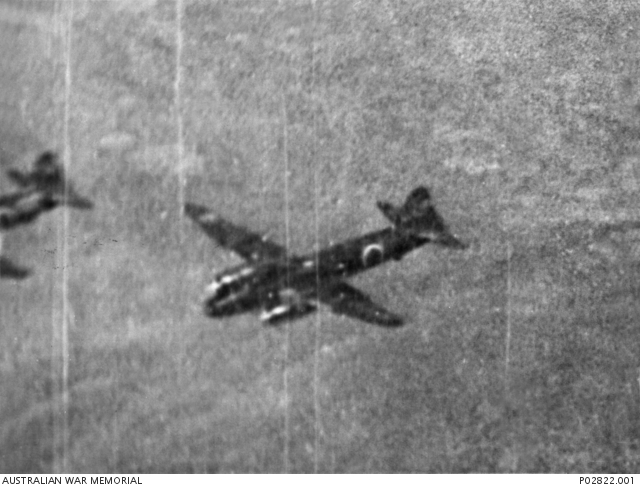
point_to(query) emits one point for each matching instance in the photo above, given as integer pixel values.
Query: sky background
(519, 354)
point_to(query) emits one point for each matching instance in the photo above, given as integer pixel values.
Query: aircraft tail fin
(419, 216)
(47, 177)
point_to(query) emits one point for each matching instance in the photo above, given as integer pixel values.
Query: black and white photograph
(320, 237)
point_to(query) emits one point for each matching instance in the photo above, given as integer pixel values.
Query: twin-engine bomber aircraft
(286, 286)
(40, 190)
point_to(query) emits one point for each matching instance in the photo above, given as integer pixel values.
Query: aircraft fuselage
(285, 282)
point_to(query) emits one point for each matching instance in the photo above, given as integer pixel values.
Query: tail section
(419, 216)
(47, 174)
(47, 178)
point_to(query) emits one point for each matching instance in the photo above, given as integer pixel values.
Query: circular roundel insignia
(372, 254)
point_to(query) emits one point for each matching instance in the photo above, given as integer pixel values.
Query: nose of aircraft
(209, 308)
(214, 297)
(213, 308)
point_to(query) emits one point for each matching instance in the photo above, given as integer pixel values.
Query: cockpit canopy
(219, 290)
(229, 282)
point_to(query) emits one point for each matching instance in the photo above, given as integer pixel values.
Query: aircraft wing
(344, 299)
(249, 245)
(11, 270)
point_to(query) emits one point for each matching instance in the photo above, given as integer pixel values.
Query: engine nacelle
(373, 255)
(284, 311)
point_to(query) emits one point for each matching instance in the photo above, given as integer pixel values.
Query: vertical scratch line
(287, 247)
(508, 337)
(177, 89)
(65, 244)
(316, 208)
(178, 105)
(55, 376)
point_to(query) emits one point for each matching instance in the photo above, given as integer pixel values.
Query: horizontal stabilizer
(72, 199)
(18, 177)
